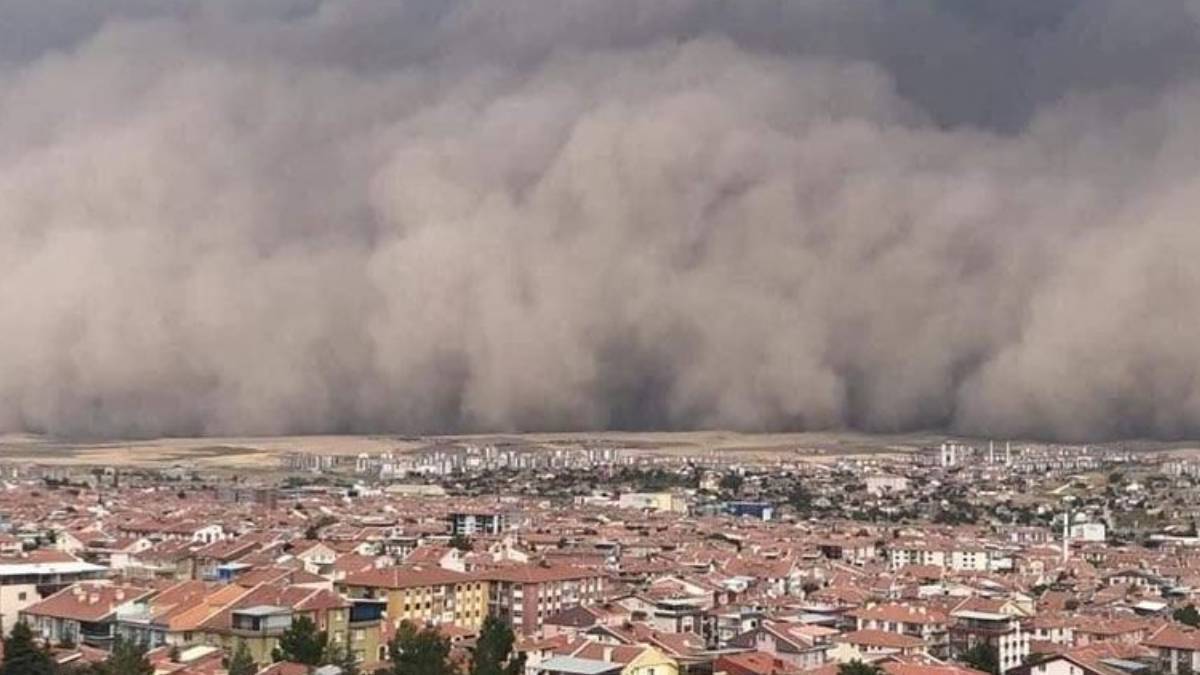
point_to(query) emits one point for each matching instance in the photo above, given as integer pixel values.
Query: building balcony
(256, 632)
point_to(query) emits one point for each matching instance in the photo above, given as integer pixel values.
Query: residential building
(26, 581)
(423, 595)
(81, 614)
(995, 623)
(470, 524)
(524, 596)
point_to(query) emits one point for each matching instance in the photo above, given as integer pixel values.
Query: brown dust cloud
(351, 216)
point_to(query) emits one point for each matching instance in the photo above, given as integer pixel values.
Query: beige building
(423, 595)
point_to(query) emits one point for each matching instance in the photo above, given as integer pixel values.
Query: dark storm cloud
(302, 216)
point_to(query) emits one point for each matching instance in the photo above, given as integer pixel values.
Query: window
(21, 596)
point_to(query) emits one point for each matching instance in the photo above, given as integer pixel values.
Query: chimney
(608, 653)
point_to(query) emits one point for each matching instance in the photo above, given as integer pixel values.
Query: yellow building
(423, 595)
(651, 662)
(261, 616)
(603, 659)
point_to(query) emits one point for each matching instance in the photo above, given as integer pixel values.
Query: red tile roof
(86, 602)
(406, 577)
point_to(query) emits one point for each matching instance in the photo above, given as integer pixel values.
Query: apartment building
(423, 595)
(994, 622)
(926, 624)
(959, 557)
(470, 524)
(259, 618)
(525, 596)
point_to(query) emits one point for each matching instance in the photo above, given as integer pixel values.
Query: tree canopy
(127, 658)
(493, 650)
(241, 663)
(420, 652)
(857, 667)
(301, 643)
(23, 656)
(1187, 615)
(982, 656)
(340, 655)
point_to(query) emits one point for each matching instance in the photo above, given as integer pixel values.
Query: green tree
(313, 531)
(493, 650)
(301, 643)
(857, 667)
(461, 542)
(340, 655)
(241, 663)
(127, 658)
(731, 482)
(22, 656)
(1187, 615)
(983, 657)
(799, 498)
(420, 652)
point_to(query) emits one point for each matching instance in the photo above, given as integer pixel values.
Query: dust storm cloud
(356, 216)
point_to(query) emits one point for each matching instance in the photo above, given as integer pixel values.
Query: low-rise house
(1177, 648)
(209, 559)
(27, 579)
(1053, 628)
(869, 645)
(1102, 659)
(596, 659)
(317, 557)
(174, 616)
(753, 663)
(85, 613)
(802, 646)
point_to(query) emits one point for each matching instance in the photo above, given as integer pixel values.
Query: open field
(264, 452)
